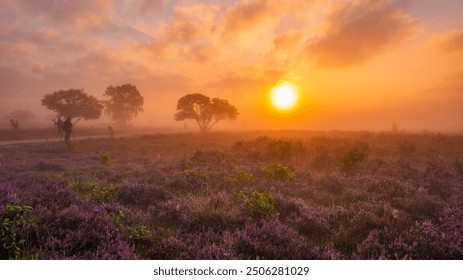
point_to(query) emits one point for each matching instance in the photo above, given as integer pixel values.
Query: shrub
(197, 174)
(139, 232)
(284, 149)
(105, 158)
(135, 233)
(278, 171)
(258, 204)
(13, 218)
(351, 159)
(241, 177)
(102, 194)
(94, 191)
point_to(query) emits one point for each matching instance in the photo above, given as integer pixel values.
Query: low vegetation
(282, 195)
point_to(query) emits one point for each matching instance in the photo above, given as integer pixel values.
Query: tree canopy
(204, 110)
(74, 103)
(125, 102)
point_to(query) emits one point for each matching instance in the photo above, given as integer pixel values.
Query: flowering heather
(278, 195)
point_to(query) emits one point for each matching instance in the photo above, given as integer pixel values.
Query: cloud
(359, 31)
(191, 23)
(451, 41)
(77, 14)
(49, 39)
(244, 15)
(147, 5)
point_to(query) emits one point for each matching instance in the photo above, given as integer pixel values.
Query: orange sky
(361, 64)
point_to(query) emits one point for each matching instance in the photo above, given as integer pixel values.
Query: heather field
(255, 195)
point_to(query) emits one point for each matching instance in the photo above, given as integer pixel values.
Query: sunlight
(284, 96)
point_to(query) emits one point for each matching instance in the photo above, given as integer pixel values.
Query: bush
(241, 177)
(137, 233)
(94, 191)
(198, 174)
(258, 204)
(351, 159)
(278, 171)
(13, 218)
(105, 158)
(284, 149)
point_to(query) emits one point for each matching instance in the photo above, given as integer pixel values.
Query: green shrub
(139, 232)
(197, 174)
(135, 233)
(94, 191)
(102, 194)
(351, 159)
(105, 158)
(14, 217)
(278, 171)
(258, 204)
(241, 177)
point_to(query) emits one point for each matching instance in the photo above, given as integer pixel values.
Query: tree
(74, 103)
(19, 116)
(124, 104)
(204, 110)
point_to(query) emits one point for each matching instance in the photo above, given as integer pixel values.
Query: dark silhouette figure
(59, 125)
(67, 127)
(111, 133)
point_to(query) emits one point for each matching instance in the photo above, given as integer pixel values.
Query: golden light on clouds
(284, 96)
(354, 64)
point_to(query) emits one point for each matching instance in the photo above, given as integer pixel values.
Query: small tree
(74, 103)
(124, 104)
(18, 117)
(204, 110)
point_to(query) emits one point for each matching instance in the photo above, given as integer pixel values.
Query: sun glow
(284, 96)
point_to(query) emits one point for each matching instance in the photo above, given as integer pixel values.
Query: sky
(357, 64)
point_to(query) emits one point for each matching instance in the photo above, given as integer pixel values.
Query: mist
(403, 69)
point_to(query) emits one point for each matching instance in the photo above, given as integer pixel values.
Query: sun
(284, 96)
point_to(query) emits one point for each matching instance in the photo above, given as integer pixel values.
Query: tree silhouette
(124, 104)
(19, 116)
(204, 110)
(74, 103)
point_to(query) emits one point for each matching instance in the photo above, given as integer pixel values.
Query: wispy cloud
(450, 41)
(358, 31)
(77, 14)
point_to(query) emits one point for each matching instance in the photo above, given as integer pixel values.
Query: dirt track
(46, 140)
